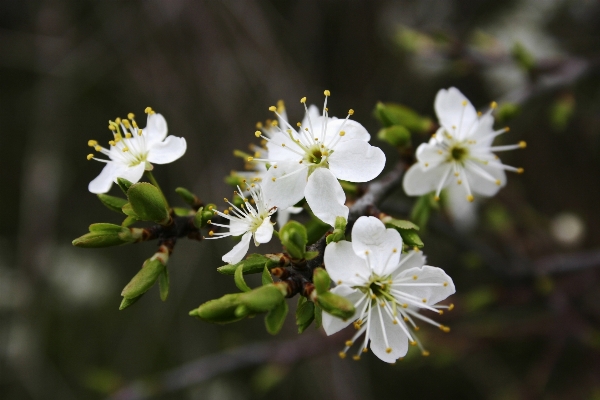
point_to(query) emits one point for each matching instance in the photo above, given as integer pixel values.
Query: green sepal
(238, 278)
(335, 305)
(187, 196)
(305, 313)
(411, 238)
(275, 318)
(128, 221)
(112, 202)
(253, 264)
(339, 231)
(396, 114)
(219, 311)
(198, 218)
(163, 285)
(148, 203)
(126, 302)
(318, 316)
(321, 280)
(399, 224)
(396, 135)
(144, 279)
(262, 299)
(266, 277)
(124, 184)
(293, 237)
(203, 215)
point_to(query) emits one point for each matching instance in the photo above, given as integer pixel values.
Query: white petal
(344, 266)
(369, 234)
(428, 274)
(483, 186)
(356, 161)
(103, 182)
(286, 190)
(455, 112)
(483, 129)
(429, 154)
(238, 226)
(239, 250)
(313, 114)
(167, 151)
(280, 148)
(283, 216)
(132, 174)
(352, 131)
(412, 259)
(462, 212)
(417, 181)
(396, 338)
(155, 130)
(325, 196)
(264, 232)
(333, 324)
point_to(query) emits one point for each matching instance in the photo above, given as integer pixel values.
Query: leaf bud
(124, 184)
(293, 237)
(148, 203)
(396, 135)
(219, 311)
(144, 279)
(321, 280)
(396, 114)
(112, 203)
(263, 298)
(187, 196)
(254, 264)
(335, 305)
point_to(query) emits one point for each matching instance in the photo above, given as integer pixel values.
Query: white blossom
(387, 289)
(249, 221)
(308, 161)
(460, 153)
(133, 150)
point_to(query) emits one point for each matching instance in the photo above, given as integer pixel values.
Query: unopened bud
(148, 203)
(321, 280)
(144, 279)
(219, 311)
(335, 305)
(294, 237)
(396, 135)
(263, 298)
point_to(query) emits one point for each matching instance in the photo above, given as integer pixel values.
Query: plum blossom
(248, 221)
(133, 150)
(387, 289)
(460, 152)
(308, 161)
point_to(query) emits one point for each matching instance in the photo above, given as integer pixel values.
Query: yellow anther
(437, 198)
(395, 322)
(464, 102)
(210, 221)
(257, 133)
(365, 350)
(451, 307)
(303, 100)
(506, 129)
(280, 105)
(112, 143)
(272, 108)
(470, 198)
(413, 343)
(225, 200)
(326, 109)
(274, 123)
(256, 154)
(415, 277)
(441, 312)
(440, 152)
(327, 93)
(225, 211)
(250, 159)
(210, 233)
(339, 282)
(350, 112)
(456, 174)
(493, 105)
(342, 133)
(427, 164)
(479, 113)
(417, 329)
(424, 300)
(125, 149)
(522, 144)
(349, 343)
(394, 250)
(92, 143)
(356, 357)
(98, 148)
(128, 135)
(445, 284)
(520, 170)
(445, 328)
(126, 123)
(130, 116)
(112, 127)
(498, 182)
(405, 305)
(373, 297)
(140, 132)
(425, 353)
(259, 125)
(388, 350)
(342, 355)
(90, 156)
(298, 124)
(459, 182)
(416, 249)
(273, 179)
(282, 144)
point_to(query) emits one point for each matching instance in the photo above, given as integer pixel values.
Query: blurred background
(527, 317)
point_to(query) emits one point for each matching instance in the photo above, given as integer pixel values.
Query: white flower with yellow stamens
(308, 161)
(248, 221)
(133, 150)
(460, 152)
(388, 290)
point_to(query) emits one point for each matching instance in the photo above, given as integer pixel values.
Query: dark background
(527, 319)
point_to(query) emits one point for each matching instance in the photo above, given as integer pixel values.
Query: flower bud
(144, 279)
(321, 280)
(203, 215)
(104, 235)
(335, 305)
(396, 135)
(263, 298)
(219, 311)
(148, 203)
(293, 237)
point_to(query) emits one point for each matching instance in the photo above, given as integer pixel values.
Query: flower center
(458, 153)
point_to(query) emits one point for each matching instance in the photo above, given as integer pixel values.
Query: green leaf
(396, 114)
(411, 238)
(148, 203)
(163, 285)
(144, 279)
(100, 239)
(305, 313)
(266, 276)
(239, 279)
(128, 210)
(253, 264)
(400, 224)
(126, 302)
(104, 227)
(275, 318)
(396, 135)
(181, 211)
(293, 237)
(309, 255)
(335, 305)
(219, 311)
(321, 280)
(112, 203)
(315, 228)
(124, 184)
(262, 299)
(318, 316)
(129, 220)
(187, 196)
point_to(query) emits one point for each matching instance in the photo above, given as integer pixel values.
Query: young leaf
(411, 237)
(305, 313)
(276, 317)
(293, 237)
(239, 279)
(148, 203)
(124, 184)
(163, 285)
(126, 302)
(318, 316)
(253, 264)
(144, 279)
(112, 203)
(266, 276)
